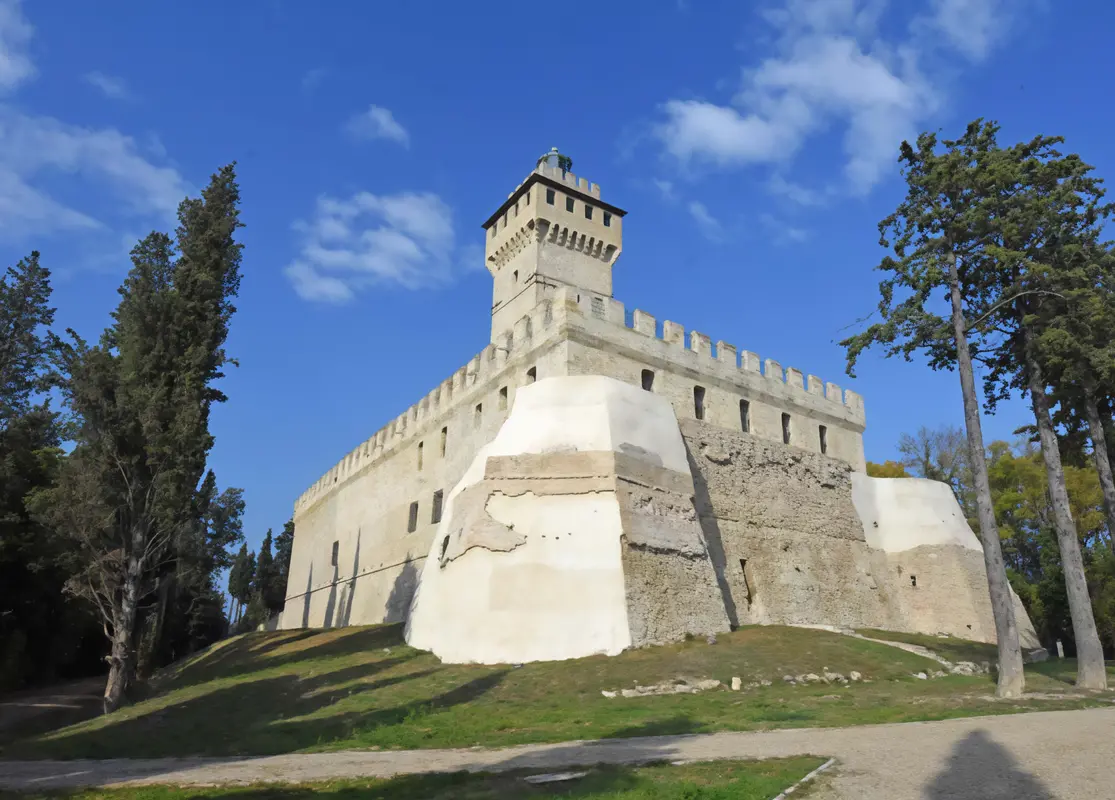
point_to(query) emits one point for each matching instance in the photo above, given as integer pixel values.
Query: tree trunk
(1100, 455)
(1012, 680)
(122, 657)
(1090, 670)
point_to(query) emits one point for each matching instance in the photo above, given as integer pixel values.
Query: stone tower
(552, 231)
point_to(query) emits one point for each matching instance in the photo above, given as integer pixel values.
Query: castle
(591, 482)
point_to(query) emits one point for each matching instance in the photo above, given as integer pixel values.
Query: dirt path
(1037, 756)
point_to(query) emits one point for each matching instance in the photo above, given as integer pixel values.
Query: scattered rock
(855, 676)
(711, 638)
(834, 677)
(809, 678)
(737, 684)
(764, 682)
(788, 679)
(921, 676)
(936, 674)
(679, 686)
(606, 693)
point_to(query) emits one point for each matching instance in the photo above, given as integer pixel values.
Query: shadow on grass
(250, 653)
(280, 714)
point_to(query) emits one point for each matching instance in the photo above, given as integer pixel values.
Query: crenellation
(700, 344)
(815, 385)
(794, 379)
(749, 361)
(672, 333)
(853, 401)
(521, 333)
(727, 353)
(773, 370)
(644, 323)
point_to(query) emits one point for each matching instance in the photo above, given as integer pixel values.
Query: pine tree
(938, 238)
(267, 576)
(284, 545)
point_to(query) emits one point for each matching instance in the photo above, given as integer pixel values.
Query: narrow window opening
(435, 508)
(516, 209)
(607, 220)
(515, 276)
(745, 416)
(785, 429)
(588, 211)
(420, 446)
(746, 583)
(528, 198)
(699, 402)
(412, 520)
(569, 204)
(532, 374)
(824, 433)
(478, 415)
(495, 230)
(444, 547)
(505, 220)
(444, 436)
(503, 398)
(914, 581)
(336, 551)
(648, 380)
(550, 196)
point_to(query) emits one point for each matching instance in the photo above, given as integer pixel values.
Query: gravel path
(1036, 756)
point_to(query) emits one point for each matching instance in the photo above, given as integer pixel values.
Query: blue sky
(752, 144)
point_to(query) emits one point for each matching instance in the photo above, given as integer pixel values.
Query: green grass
(719, 780)
(298, 691)
(948, 648)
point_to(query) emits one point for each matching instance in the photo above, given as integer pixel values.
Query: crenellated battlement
(698, 351)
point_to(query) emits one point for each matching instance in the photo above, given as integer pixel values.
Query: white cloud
(377, 123)
(404, 239)
(34, 146)
(313, 77)
(15, 36)
(113, 88)
(666, 188)
(782, 231)
(710, 226)
(831, 67)
(795, 193)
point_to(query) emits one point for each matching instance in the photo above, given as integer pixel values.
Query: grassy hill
(362, 687)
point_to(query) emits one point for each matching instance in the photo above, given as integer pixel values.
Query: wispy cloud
(666, 188)
(15, 38)
(33, 146)
(403, 239)
(110, 87)
(377, 123)
(832, 66)
(709, 225)
(783, 232)
(796, 193)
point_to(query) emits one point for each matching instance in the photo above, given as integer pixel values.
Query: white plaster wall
(903, 513)
(561, 593)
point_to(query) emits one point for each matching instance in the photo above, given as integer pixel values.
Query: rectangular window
(435, 508)
(495, 230)
(745, 416)
(532, 374)
(444, 436)
(824, 432)
(478, 415)
(785, 429)
(515, 276)
(336, 551)
(588, 211)
(516, 209)
(569, 204)
(648, 380)
(550, 196)
(607, 220)
(503, 398)
(412, 520)
(699, 402)
(528, 198)
(420, 446)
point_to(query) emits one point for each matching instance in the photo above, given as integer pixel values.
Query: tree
(43, 634)
(888, 469)
(141, 399)
(941, 454)
(284, 545)
(1045, 210)
(268, 577)
(936, 235)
